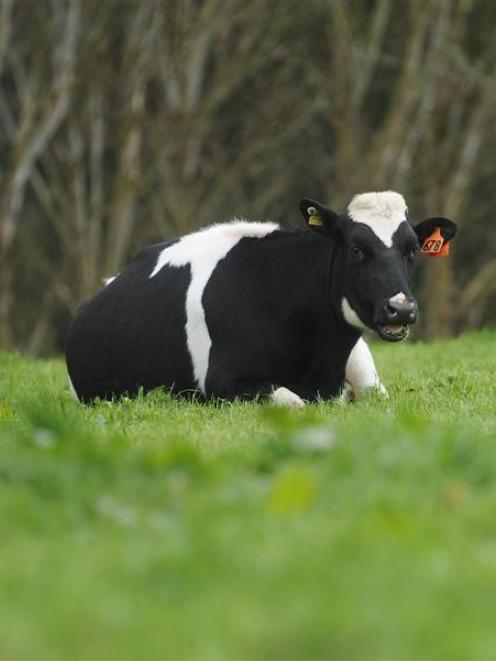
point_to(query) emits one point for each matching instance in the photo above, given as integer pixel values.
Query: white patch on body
(285, 397)
(350, 315)
(72, 389)
(383, 212)
(361, 372)
(107, 281)
(202, 251)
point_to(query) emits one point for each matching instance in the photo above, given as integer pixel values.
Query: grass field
(162, 529)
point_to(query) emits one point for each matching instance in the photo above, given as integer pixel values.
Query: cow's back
(131, 335)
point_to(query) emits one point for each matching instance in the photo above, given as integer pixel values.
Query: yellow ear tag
(315, 221)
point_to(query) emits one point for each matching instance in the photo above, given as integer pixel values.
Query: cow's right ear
(434, 235)
(319, 218)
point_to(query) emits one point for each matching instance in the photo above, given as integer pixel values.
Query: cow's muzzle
(396, 315)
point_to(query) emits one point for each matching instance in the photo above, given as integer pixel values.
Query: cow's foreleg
(361, 373)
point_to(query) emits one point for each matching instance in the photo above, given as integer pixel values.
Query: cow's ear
(319, 218)
(434, 235)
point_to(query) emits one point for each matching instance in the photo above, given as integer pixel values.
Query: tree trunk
(438, 296)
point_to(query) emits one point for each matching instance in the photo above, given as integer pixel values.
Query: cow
(248, 310)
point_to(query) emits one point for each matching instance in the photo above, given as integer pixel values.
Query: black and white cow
(242, 309)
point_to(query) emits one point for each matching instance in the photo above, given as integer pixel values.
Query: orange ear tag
(434, 245)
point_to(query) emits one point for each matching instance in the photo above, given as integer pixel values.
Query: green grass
(163, 529)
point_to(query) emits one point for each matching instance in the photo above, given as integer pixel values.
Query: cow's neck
(305, 302)
(309, 288)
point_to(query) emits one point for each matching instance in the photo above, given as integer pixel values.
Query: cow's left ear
(434, 235)
(319, 218)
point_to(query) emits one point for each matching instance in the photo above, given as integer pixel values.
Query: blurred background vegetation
(123, 123)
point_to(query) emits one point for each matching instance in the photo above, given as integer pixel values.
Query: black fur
(271, 319)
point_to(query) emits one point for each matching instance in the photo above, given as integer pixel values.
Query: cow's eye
(356, 252)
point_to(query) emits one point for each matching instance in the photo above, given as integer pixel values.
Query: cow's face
(375, 250)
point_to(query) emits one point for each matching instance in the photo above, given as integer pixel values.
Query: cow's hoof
(349, 395)
(285, 397)
(382, 390)
(377, 389)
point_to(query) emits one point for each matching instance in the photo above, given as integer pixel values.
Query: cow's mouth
(392, 333)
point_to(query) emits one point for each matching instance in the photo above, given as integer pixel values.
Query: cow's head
(375, 249)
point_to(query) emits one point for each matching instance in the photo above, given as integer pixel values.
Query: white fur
(107, 281)
(350, 315)
(203, 250)
(383, 212)
(72, 389)
(361, 372)
(285, 397)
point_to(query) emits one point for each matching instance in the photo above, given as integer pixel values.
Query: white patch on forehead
(383, 212)
(202, 251)
(351, 316)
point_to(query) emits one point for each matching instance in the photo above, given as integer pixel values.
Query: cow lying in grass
(243, 310)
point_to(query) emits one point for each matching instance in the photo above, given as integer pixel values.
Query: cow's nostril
(392, 311)
(404, 312)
